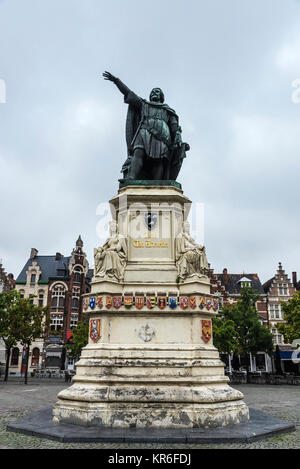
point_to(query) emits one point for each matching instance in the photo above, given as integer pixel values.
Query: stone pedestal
(150, 360)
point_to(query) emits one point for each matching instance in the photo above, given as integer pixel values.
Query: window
(41, 299)
(31, 300)
(15, 356)
(56, 322)
(74, 321)
(275, 311)
(277, 338)
(58, 297)
(22, 293)
(75, 298)
(283, 289)
(33, 278)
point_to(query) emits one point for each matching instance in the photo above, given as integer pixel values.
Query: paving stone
(278, 401)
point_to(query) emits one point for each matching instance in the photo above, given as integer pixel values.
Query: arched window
(58, 297)
(15, 356)
(35, 356)
(22, 293)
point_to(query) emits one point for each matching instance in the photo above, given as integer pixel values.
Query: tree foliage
(291, 309)
(80, 338)
(21, 322)
(237, 328)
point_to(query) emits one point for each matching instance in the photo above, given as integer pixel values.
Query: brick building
(59, 282)
(228, 286)
(278, 289)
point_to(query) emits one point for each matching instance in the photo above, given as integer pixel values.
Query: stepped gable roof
(233, 282)
(50, 267)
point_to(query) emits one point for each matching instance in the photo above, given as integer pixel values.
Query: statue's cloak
(134, 116)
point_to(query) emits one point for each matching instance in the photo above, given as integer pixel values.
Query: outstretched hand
(109, 76)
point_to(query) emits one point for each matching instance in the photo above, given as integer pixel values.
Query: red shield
(208, 303)
(184, 302)
(117, 301)
(161, 302)
(192, 301)
(100, 301)
(95, 329)
(139, 302)
(206, 330)
(85, 303)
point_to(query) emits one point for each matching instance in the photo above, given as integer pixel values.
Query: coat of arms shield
(100, 301)
(173, 302)
(85, 303)
(108, 302)
(139, 302)
(117, 301)
(206, 330)
(161, 302)
(151, 301)
(208, 303)
(184, 302)
(202, 302)
(192, 302)
(128, 301)
(92, 302)
(95, 329)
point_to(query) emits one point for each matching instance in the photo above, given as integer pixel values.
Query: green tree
(33, 324)
(9, 323)
(79, 339)
(291, 309)
(238, 330)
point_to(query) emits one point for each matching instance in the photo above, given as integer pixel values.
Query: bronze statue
(153, 136)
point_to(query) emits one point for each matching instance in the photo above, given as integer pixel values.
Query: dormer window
(33, 278)
(245, 282)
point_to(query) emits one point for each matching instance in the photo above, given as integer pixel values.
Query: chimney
(58, 256)
(225, 277)
(33, 253)
(294, 276)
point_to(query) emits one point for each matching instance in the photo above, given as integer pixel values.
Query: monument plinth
(150, 360)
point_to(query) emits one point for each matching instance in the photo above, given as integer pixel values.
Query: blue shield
(173, 302)
(92, 302)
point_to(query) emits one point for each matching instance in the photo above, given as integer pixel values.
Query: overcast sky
(225, 66)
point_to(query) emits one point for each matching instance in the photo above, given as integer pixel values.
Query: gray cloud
(227, 69)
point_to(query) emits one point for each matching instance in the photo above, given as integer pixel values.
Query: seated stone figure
(110, 259)
(190, 257)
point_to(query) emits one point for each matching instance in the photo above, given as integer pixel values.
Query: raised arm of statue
(119, 84)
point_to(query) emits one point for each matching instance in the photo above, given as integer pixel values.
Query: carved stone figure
(110, 259)
(190, 257)
(153, 135)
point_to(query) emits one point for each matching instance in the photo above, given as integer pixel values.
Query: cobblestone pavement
(17, 400)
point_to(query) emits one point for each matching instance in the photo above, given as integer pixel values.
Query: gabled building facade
(59, 282)
(278, 289)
